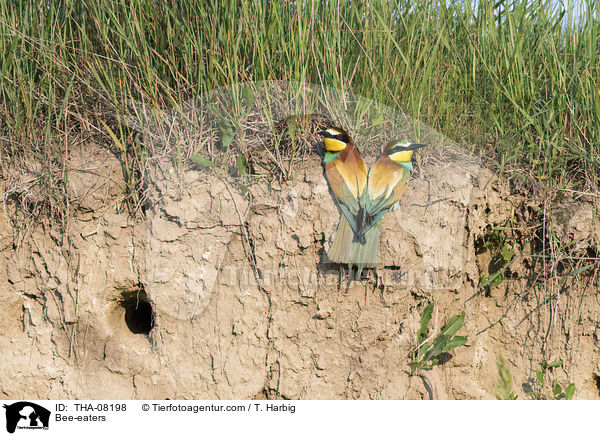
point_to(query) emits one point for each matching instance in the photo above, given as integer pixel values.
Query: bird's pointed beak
(415, 146)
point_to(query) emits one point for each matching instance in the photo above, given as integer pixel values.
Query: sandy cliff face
(245, 304)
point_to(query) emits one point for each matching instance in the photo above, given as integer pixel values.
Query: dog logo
(26, 415)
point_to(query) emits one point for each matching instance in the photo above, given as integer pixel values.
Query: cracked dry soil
(245, 305)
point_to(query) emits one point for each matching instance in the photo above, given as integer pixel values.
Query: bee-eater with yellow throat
(346, 173)
(386, 183)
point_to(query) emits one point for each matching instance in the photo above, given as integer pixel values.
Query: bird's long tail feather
(344, 250)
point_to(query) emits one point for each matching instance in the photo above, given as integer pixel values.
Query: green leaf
(241, 165)
(248, 96)
(493, 279)
(507, 253)
(456, 341)
(424, 352)
(554, 364)
(424, 329)
(498, 279)
(435, 348)
(291, 130)
(570, 391)
(377, 119)
(226, 133)
(580, 270)
(453, 325)
(112, 135)
(202, 161)
(556, 389)
(540, 376)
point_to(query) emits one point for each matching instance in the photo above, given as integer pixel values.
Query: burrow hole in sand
(139, 315)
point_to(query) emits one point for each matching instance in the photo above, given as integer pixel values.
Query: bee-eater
(346, 173)
(386, 183)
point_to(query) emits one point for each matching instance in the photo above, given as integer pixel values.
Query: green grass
(514, 80)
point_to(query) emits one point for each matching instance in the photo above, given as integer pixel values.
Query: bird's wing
(353, 174)
(385, 186)
(377, 204)
(347, 176)
(350, 207)
(347, 202)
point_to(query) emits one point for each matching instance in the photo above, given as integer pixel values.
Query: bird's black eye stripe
(394, 150)
(341, 136)
(403, 147)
